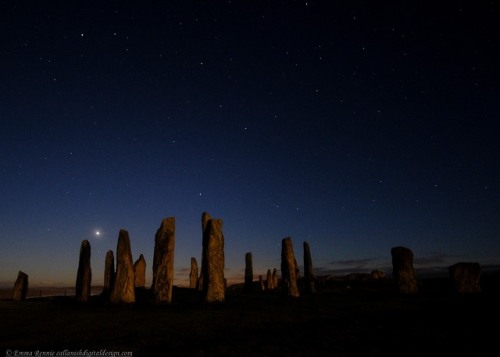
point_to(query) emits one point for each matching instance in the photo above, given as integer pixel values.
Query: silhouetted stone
(261, 283)
(193, 275)
(402, 270)
(205, 218)
(269, 282)
(163, 262)
(288, 269)
(465, 277)
(109, 273)
(378, 274)
(214, 282)
(123, 290)
(84, 274)
(309, 282)
(275, 279)
(248, 272)
(140, 272)
(20, 287)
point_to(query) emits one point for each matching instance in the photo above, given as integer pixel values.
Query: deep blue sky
(353, 125)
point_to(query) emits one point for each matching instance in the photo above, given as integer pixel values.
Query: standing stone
(309, 282)
(20, 287)
(163, 262)
(205, 218)
(140, 272)
(109, 273)
(261, 283)
(213, 252)
(123, 290)
(193, 275)
(275, 279)
(248, 287)
(465, 277)
(288, 269)
(84, 274)
(269, 282)
(402, 270)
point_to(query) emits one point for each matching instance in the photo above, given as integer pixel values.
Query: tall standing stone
(269, 282)
(20, 287)
(193, 275)
(402, 270)
(248, 286)
(140, 272)
(163, 261)
(213, 274)
(123, 290)
(109, 273)
(309, 280)
(288, 269)
(275, 279)
(205, 218)
(465, 277)
(84, 274)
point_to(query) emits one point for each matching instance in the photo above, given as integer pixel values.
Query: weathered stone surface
(163, 262)
(214, 282)
(248, 286)
(20, 287)
(465, 277)
(205, 218)
(140, 272)
(269, 282)
(402, 270)
(84, 274)
(288, 269)
(123, 290)
(109, 273)
(275, 279)
(309, 281)
(193, 275)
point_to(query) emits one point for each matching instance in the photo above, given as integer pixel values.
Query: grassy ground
(364, 319)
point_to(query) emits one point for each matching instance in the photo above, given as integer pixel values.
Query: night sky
(356, 126)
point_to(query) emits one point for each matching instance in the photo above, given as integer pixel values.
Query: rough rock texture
(248, 286)
(140, 272)
(275, 279)
(163, 262)
(193, 275)
(20, 287)
(465, 277)
(123, 290)
(288, 269)
(109, 273)
(205, 218)
(84, 274)
(402, 270)
(213, 254)
(269, 281)
(309, 281)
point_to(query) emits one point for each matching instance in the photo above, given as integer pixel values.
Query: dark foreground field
(364, 319)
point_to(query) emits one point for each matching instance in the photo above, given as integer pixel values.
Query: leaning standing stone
(402, 270)
(193, 275)
(163, 262)
(123, 290)
(84, 274)
(20, 287)
(465, 277)
(140, 272)
(308, 271)
(248, 272)
(288, 269)
(213, 275)
(109, 273)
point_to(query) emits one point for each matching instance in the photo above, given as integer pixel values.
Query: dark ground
(364, 319)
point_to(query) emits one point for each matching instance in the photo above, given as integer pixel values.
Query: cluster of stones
(120, 285)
